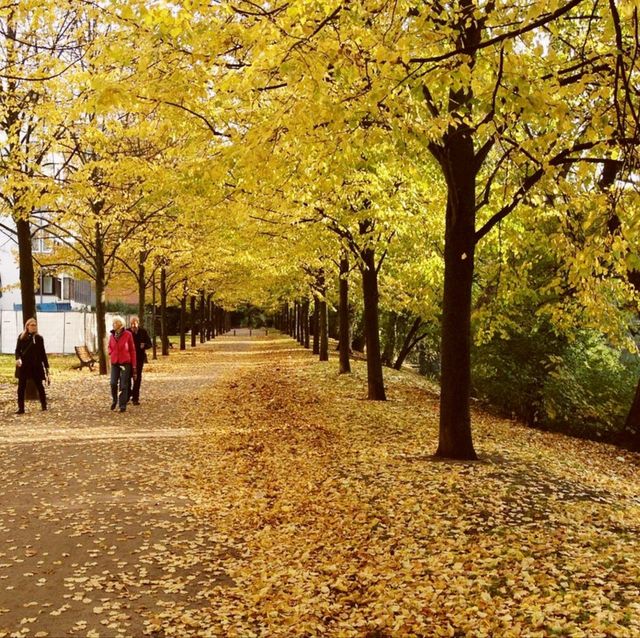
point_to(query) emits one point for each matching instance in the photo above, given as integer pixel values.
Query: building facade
(54, 292)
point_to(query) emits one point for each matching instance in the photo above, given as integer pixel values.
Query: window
(47, 285)
(42, 242)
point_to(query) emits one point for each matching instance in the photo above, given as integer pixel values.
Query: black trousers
(22, 388)
(135, 387)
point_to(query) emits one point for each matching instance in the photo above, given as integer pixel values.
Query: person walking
(143, 343)
(31, 363)
(122, 353)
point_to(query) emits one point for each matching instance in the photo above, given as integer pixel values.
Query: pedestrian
(31, 363)
(122, 353)
(143, 343)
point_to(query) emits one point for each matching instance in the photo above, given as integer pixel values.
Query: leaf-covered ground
(257, 493)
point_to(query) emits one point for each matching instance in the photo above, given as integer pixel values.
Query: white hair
(119, 319)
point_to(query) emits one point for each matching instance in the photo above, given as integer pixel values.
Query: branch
(200, 116)
(59, 264)
(544, 19)
(561, 158)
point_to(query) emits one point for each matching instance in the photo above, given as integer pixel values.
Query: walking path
(96, 532)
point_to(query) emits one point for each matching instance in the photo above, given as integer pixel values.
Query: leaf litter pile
(339, 522)
(256, 493)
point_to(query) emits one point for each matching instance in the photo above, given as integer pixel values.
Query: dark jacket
(34, 358)
(143, 343)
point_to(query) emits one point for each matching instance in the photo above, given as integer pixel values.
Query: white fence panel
(9, 329)
(51, 327)
(61, 331)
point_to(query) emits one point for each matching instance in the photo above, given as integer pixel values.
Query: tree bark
(27, 276)
(142, 288)
(209, 318)
(409, 343)
(101, 327)
(203, 325)
(153, 316)
(375, 380)
(343, 309)
(305, 322)
(316, 325)
(632, 422)
(192, 308)
(301, 323)
(183, 321)
(459, 166)
(455, 439)
(324, 328)
(164, 337)
(292, 321)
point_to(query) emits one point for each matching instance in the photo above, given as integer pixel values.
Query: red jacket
(122, 349)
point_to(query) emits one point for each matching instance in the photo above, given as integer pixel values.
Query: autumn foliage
(333, 518)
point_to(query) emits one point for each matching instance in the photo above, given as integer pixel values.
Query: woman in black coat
(31, 363)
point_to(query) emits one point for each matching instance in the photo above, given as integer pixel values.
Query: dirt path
(96, 532)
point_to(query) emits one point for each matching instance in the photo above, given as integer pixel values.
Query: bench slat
(86, 358)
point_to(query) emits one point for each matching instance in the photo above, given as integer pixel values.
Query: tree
(38, 47)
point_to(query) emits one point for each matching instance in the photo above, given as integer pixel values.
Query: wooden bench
(86, 358)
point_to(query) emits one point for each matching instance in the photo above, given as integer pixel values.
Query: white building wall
(9, 272)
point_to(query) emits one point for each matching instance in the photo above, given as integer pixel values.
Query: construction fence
(62, 331)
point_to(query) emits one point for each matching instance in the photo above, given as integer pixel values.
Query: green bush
(581, 386)
(590, 389)
(509, 373)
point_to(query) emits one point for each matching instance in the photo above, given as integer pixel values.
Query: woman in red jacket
(122, 352)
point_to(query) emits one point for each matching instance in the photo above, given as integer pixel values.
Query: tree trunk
(315, 322)
(203, 319)
(323, 319)
(101, 327)
(192, 308)
(375, 380)
(409, 343)
(183, 321)
(305, 325)
(300, 323)
(292, 321)
(141, 286)
(343, 309)
(209, 318)
(222, 318)
(632, 423)
(455, 439)
(153, 316)
(390, 334)
(459, 165)
(27, 276)
(164, 337)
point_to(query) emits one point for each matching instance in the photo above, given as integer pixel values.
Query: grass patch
(58, 363)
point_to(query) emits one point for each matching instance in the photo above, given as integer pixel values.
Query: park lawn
(60, 365)
(339, 522)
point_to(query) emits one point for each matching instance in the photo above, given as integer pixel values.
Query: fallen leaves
(347, 527)
(300, 509)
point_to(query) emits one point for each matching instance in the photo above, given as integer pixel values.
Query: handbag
(16, 374)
